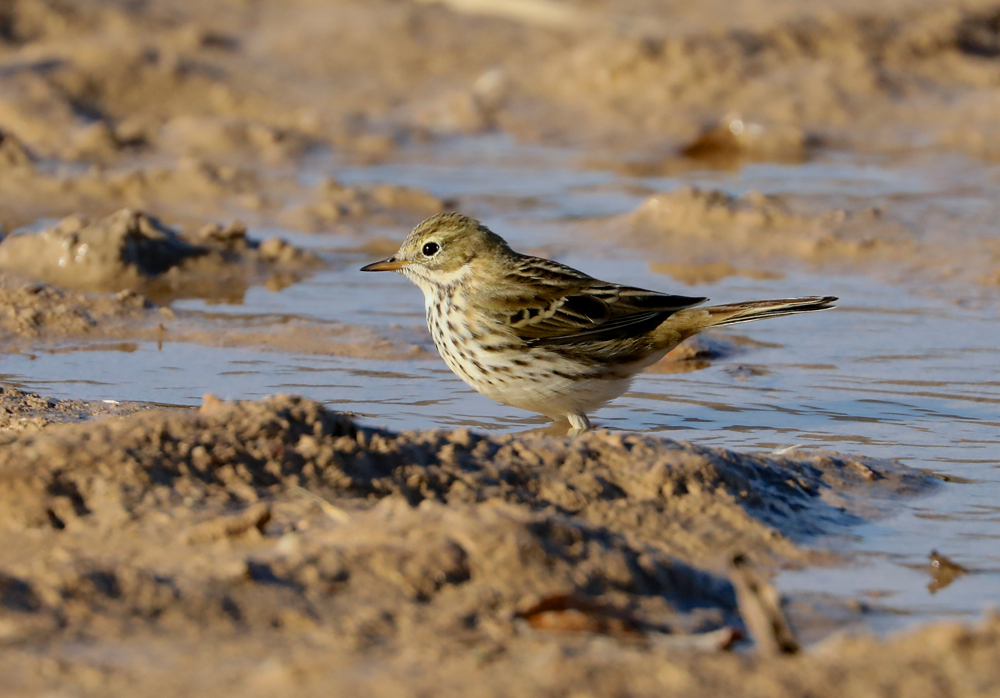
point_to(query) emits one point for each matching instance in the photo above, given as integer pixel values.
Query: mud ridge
(132, 251)
(281, 527)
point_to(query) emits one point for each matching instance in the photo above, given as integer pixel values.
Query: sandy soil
(617, 73)
(190, 111)
(277, 548)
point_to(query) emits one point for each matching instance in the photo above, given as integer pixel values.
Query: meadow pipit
(541, 336)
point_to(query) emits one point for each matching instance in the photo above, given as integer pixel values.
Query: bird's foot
(578, 423)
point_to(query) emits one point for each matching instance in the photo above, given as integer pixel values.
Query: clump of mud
(33, 313)
(269, 447)
(130, 250)
(22, 411)
(698, 234)
(760, 226)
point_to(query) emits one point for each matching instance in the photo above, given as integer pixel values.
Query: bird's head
(441, 250)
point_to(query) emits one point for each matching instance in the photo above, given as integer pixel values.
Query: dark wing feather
(620, 328)
(547, 303)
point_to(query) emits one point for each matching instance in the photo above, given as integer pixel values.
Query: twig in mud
(761, 609)
(540, 12)
(553, 15)
(231, 526)
(335, 513)
(573, 613)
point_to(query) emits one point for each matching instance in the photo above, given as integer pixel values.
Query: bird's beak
(390, 264)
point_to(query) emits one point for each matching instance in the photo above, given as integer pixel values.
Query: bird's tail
(693, 320)
(735, 313)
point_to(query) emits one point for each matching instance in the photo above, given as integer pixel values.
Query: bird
(541, 336)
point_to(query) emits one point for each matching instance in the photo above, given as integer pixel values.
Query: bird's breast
(474, 346)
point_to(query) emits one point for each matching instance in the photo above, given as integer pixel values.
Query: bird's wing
(547, 303)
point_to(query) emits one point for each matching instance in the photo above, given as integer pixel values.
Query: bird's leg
(578, 423)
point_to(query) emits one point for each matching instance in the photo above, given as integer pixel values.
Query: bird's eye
(431, 249)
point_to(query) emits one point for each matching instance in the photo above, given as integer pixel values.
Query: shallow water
(894, 372)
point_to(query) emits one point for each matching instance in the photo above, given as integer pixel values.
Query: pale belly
(555, 396)
(533, 379)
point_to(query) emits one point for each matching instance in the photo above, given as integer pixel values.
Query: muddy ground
(277, 547)
(197, 112)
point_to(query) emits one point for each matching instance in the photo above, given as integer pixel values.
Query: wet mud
(284, 530)
(23, 412)
(131, 251)
(39, 313)
(698, 232)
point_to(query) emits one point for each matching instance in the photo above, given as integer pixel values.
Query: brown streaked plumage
(542, 336)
